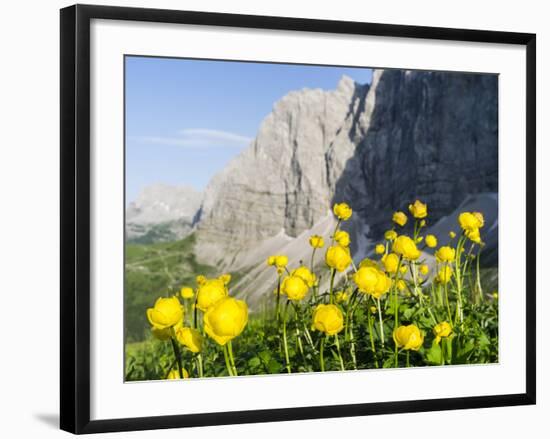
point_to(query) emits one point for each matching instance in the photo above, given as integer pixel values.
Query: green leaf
(433, 355)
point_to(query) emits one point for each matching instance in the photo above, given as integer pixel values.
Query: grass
(154, 270)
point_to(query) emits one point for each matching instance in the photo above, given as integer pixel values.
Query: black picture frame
(75, 217)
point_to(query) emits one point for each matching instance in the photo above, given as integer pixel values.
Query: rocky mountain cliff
(284, 182)
(410, 134)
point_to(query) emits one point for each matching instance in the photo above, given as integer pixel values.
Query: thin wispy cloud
(199, 138)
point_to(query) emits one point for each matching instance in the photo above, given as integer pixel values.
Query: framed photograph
(272, 218)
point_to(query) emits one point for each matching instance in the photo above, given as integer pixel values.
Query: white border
(111, 398)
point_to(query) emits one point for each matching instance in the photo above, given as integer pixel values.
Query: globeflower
(167, 312)
(306, 275)
(391, 262)
(408, 337)
(166, 333)
(373, 281)
(338, 257)
(174, 374)
(431, 241)
(210, 292)
(470, 220)
(190, 338)
(406, 247)
(342, 238)
(445, 254)
(418, 209)
(226, 319)
(443, 329)
(473, 235)
(368, 263)
(390, 235)
(225, 278)
(294, 287)
(424, 269)
(342, 211)
(328, 319)
(380, 249)
(399, 218)
(452, 235)
(316, 241)
(401, 285)
(445, 274)
(187, 292)
(278, 261)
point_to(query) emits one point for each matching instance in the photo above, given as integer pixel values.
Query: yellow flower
(342, 211)
(424, 269)
(390, 235)
(294, 287)
(380, 249)
(473, 235)
(190, 338)
(406, 247)
(187, 292)
(452, 234)
(445, 274)
(371, 280)
(401, 285)
(373, 309)
(166, 313)
(403, 269)
(391, 262)
(342, 238)
(368, 263)
(209, 293)
(201, 279)
(431, 241)
(316, 241)
(470, 221)
(443, 329)
(226, 319)
(328, 319)
(307, 276)
(341, 296)
(445, 254)
(423, 223)
(225, 278)
(279, 261)
(174, 374)
(419, 239)
(480, 218)
(399, 218)
(338, 257)
(418, 209)
(408, 337)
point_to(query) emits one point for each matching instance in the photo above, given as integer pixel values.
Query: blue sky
(185, 119)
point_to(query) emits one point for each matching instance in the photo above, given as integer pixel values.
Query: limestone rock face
(426, 135)
(284, 182)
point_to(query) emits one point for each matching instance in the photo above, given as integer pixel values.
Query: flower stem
(337, 342)
(321, 354)
(372, 346)
(285, 342)
(331, 293)
(199, 365)
(231, 358)
(408, 358)
(380, 321)
(478, 277)
(227, 362)
(177, 354)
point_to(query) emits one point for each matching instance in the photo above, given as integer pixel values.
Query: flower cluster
(414, 298)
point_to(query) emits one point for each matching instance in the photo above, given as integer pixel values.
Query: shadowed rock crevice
(429, 135)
